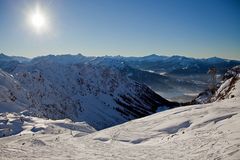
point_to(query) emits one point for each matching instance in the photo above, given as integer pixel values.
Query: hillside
(98, 95)
(13, 97)
(225, 89)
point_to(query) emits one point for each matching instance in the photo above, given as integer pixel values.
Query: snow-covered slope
(20, 124)
(227, 89)
(13, 97)
(224, 90)
(99, 95)
(208, 131)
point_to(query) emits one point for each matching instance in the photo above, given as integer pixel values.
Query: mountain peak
(215, 59)
(3, 55)
(153, 55)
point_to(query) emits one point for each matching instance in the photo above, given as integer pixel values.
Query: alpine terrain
(203, 131)
(100, 95)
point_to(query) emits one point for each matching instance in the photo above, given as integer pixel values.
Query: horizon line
(118, 55)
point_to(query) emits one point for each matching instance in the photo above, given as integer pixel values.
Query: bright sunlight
(38, 20)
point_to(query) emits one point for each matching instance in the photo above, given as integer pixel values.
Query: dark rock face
(146, 103)
(232, 73)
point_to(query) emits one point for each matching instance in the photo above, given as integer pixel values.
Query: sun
(38, 20)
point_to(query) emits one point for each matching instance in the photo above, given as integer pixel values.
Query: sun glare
(38, 20)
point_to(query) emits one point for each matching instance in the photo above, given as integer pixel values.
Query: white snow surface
(206, 131)
(19, 124)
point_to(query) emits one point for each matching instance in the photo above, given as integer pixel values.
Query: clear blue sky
(196, 28)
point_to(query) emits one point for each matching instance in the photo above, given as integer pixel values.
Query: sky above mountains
(196, 28)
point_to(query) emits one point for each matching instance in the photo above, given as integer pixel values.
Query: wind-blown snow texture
(206, 131)
(19, 124)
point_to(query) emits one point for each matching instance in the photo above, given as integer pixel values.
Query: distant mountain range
(177, 77)
(179, 64)
(155, 63)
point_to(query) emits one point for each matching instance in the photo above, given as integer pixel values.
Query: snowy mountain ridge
(175, 77)
(98, 95)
